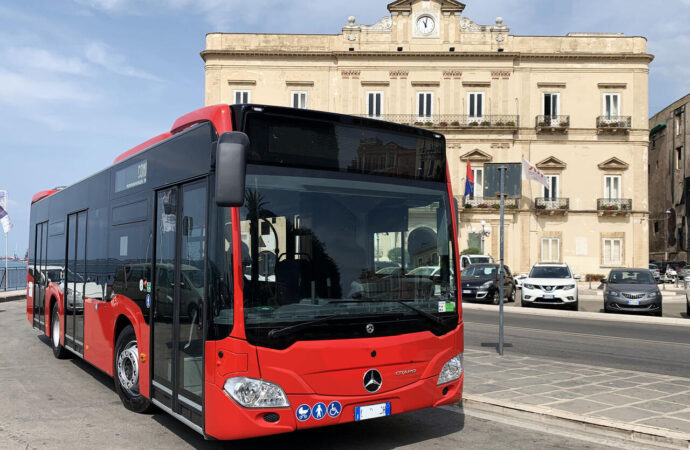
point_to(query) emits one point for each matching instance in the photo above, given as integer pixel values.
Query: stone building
(669, 183)
(575, 105)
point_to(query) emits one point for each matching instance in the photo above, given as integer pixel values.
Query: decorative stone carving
(502, 146)
(467, 25)
(501, 74)
(351, 37)
(402, 74)
(354, 74)
(455, 74)
(500, 38)
(385, 24)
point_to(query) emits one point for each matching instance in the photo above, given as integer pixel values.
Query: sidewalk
(12, 295)
(648, 404)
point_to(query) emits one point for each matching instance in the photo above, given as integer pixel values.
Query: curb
(582, 315)
(639, 434)
(14, 297)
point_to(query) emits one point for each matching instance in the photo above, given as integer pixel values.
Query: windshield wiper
(280, 332)
(430, 317)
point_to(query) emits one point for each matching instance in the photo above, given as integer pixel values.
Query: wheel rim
(55, 331)
(128, 369)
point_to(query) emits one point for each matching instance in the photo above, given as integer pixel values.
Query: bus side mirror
(231, 168)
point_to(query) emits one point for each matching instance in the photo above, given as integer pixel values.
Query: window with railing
(374, 104)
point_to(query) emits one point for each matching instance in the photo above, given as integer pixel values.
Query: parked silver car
(684, 273)
(632, 290)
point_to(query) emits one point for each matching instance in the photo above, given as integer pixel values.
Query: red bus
(249, 272)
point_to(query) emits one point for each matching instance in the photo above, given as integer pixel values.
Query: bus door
(178, 298)
(40, 275)
(75, 282)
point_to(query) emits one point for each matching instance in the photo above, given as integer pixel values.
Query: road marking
(594, 336)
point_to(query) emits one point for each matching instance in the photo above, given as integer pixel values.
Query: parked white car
(550, 284)
(468, 260)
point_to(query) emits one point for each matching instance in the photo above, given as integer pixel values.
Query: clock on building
(426, 24)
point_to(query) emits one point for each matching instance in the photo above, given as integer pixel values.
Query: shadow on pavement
(495, 345)
(387, 433)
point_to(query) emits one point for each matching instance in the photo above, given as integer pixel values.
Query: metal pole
(502, 169)
(6, 278)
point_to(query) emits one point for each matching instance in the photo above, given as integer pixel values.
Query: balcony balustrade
(479, 204)
(553, 124)
(614, 207)
(551, 206)
(613, 124)
(452, 121)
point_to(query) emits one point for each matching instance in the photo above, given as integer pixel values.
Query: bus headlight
(451, 371)
(253, 393)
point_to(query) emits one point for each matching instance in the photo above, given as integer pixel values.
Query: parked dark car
(632, 290)
(480, 282)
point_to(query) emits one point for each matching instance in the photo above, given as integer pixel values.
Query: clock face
(426, 24)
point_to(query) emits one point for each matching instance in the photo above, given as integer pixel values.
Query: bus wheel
(127, 372)
(59, 351)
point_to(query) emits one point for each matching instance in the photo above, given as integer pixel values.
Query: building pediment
(614, 164)
(476, 155)
(552, 163)
(406, 5)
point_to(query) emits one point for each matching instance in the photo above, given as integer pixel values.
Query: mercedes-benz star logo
(370, 328)
(372, 381)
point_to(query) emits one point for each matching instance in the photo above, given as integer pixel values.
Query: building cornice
(445, 55)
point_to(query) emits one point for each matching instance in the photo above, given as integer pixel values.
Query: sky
(82, 81)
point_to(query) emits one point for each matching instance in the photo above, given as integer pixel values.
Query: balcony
(614, 207)
(614, 124)
(488, 205)
(553, 124)
(452, 121)
(551, 207)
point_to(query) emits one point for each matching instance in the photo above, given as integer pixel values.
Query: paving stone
(612, 399)
(589, 390)
(668, 387)
(626, 414)
(588, 372)
(579, 406)
(571, 383)
(619, 384)
(682, 399)
(668, 423)
(537, 389)
(684, 415)
(639, 393)
(660, 406)
(564, 394)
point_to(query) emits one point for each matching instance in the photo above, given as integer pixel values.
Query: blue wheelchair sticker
(334, 409)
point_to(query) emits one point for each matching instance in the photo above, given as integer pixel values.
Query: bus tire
(59, 351)
(126, 371)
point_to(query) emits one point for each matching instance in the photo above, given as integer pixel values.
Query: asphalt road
(652, 348)
(47, 403)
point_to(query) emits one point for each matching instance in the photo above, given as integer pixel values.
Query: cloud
(106, 5)
(42, 59)
(100, 54)
(17, 89)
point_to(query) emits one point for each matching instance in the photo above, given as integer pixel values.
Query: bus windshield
(312, 242)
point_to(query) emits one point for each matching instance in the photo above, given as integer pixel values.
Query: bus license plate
(634, 302)
(372, 411)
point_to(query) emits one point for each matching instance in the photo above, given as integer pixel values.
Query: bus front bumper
(225, 420)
